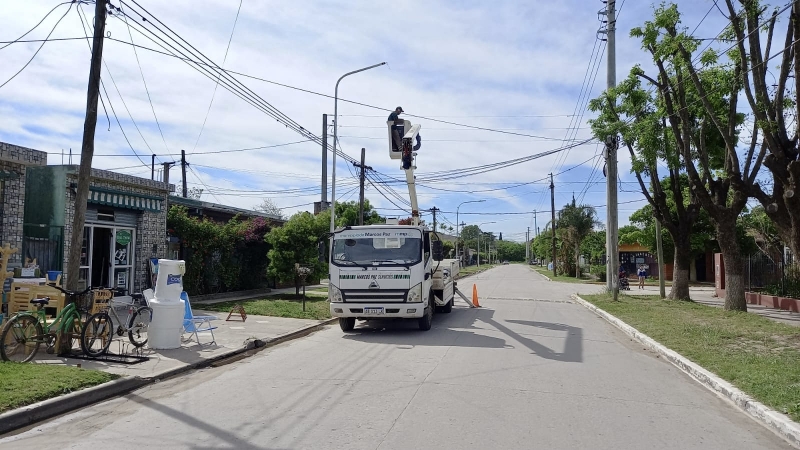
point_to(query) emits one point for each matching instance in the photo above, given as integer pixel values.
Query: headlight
(334, 294)
(415, 294)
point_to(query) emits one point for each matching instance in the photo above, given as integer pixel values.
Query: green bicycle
(27, 330)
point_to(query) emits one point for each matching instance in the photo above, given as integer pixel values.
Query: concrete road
(528, 371)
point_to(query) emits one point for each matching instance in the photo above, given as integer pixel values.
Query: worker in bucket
(397, 128)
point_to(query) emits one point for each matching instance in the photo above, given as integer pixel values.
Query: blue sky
(508, 65)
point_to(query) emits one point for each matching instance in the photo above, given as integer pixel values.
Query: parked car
(505, 262)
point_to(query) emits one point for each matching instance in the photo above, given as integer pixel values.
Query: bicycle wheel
(96, 335)
(20, 339)
(137, 328)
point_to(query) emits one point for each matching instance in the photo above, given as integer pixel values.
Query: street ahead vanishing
(529, 370)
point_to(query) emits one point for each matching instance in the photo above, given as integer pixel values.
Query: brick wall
(14, 160)
(150, 226)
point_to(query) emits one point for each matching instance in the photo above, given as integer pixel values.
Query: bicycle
(22, 335)
(100, 330)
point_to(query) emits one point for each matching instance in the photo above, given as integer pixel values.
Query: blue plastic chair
(196, 324)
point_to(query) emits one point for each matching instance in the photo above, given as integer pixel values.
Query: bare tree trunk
(680, 271)
(577, 260)
(734, 267)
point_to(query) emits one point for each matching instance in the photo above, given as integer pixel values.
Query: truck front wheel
(426, 321)
(347, 323)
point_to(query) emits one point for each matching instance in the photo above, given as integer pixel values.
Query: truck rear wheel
(347, 323)
(448, 307)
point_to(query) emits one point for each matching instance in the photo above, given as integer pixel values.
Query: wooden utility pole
(434, 210)
(183, 171)
(87, 149)
(153, 167)
(553, 223)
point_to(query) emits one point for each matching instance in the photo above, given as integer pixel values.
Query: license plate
(373, 310)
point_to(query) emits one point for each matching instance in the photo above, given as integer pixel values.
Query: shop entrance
(107, 257)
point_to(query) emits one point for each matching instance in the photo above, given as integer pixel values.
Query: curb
(46, 409)
(779, 423)
(539, 273)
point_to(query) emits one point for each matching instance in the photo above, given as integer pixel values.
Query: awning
(119, 199)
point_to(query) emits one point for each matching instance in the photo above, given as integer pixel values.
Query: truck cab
(388, 271)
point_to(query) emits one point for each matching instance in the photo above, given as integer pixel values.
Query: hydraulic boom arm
(410, 143)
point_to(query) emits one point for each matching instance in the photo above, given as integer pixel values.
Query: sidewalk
(233, 338)
(705, 295)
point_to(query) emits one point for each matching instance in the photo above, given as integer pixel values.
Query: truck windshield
(367, 250)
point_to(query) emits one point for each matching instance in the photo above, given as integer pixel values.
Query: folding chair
(196, 324)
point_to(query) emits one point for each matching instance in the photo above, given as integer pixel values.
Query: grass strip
(22, 384)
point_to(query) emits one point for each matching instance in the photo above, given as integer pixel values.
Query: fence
(775, 274)
(45, 244)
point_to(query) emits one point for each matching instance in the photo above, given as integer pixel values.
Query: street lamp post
(336, 141)
(458, 233)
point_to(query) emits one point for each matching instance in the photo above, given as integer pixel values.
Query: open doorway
(101, 252)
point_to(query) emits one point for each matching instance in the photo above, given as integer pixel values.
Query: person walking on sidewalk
(642, 276)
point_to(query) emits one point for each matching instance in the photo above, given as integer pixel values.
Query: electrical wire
(38, 49)
(144, 82)
(19, 39)
(216, 85)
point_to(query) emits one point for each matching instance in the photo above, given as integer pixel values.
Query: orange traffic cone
(475, 296)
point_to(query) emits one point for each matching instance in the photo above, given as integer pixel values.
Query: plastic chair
(196, 324)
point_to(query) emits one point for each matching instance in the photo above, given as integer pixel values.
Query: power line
(216, 84)
(19, 39)
(141, 71)
(430, 118)
(38, 49)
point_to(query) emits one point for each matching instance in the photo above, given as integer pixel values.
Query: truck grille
(374, 296)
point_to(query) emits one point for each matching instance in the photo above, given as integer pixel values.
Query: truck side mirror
(437, 250)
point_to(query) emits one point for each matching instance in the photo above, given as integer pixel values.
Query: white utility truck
(391, 271)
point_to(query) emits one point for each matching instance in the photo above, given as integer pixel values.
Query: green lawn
(281, 305)
(560, 277)
(759, 356)
(26, 383)
(469, 270)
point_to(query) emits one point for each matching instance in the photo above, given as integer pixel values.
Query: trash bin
(165, 327)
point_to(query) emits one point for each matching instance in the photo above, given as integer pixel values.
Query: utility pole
(87, 152)
(535, 227)
(662, 290)
(153, 167)
(553, 223)
(612, 211)
(458, 238)
(528, 246)
(167, 165)
(361, 182)
(183, 171)
(324, 190)
(433, 210)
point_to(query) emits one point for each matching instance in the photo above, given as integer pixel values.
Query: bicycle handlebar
(72, 293)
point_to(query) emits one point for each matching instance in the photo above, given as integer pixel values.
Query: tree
(594, 245)
(574, 223)
(297, 242)
(347, 214)
(510, 251)
(775, 109)
(632, 112)
(195, 193)
(267, 206)
(704, 126)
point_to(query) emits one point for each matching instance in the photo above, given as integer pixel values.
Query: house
(125, 225)
(14, 164)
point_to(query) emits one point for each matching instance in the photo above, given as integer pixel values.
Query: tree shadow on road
(573, 345)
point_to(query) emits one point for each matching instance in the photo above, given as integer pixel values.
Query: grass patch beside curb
(282, 305)
(561, 278)
(759, 356)
(469, 270)
(26, 383)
